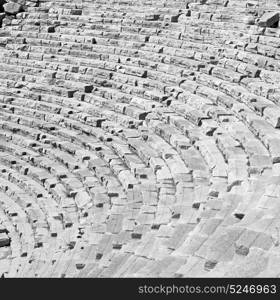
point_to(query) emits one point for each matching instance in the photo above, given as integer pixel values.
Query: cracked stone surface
(139, 138)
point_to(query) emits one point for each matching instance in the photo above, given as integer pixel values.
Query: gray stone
(269, 19)
(12, 8)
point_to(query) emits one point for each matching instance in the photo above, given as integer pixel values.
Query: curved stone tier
(140, 138)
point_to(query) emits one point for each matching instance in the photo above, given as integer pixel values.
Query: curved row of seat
(140, 139)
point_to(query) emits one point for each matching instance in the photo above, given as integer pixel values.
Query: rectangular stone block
(269, 19)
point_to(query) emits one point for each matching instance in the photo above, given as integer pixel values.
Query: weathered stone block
(269, 19)
(12, 8)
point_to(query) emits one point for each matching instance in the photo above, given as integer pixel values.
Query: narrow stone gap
(2, 13)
